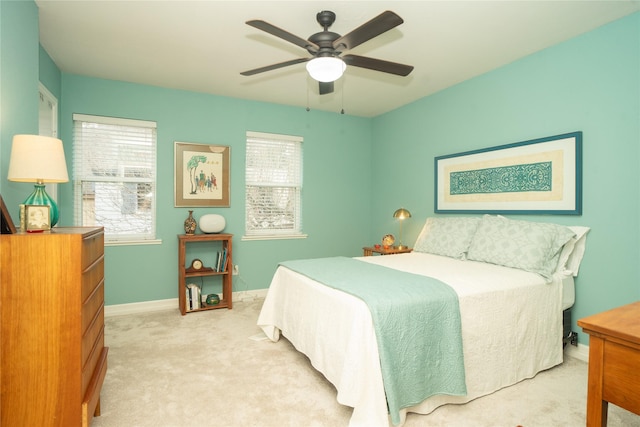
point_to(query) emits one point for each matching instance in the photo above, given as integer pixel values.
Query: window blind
(273, 181)
(114, 174)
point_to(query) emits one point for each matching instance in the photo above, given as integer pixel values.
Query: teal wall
(336, 197)
(18, 88)
(358, 171)
(591, 84)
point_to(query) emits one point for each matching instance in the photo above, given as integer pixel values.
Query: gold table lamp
(401, 214)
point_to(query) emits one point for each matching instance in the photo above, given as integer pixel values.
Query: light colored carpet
(203, 369)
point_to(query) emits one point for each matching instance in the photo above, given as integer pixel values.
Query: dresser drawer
(620, 376)
(93, 338)
(91, 306)
(92, 248)
(88, 368)
(91, 278)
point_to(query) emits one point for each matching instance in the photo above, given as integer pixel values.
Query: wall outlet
(236, 269)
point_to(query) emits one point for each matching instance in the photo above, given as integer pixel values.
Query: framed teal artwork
(539, 176)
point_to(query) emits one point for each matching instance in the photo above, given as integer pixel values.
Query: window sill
(132, 242)
(275, 237)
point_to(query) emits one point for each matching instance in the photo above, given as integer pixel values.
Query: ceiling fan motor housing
(324, 40)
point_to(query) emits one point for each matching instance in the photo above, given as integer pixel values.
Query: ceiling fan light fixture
(326, 69)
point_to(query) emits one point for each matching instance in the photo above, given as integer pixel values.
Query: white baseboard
(171, 304)
(581, 352)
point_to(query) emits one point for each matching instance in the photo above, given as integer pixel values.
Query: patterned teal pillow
(447, 236)
(529, 246)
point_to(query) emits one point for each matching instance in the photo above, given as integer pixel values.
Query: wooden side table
(370, 250)
(614, 357)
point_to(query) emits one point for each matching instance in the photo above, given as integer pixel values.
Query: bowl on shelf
(212, 299)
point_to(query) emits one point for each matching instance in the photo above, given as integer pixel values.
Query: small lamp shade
(38, 159)
(326, 68)
(401, 214)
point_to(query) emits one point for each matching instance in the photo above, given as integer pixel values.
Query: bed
(510, 309)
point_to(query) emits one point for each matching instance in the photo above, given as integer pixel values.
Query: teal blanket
(417, 325)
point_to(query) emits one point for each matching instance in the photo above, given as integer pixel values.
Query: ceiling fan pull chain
(343, 80)
(308, 109)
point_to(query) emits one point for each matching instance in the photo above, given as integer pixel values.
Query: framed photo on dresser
(37, 218)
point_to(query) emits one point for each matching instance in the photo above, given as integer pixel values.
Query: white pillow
(447, 236)
(526, 245)
(573, 251)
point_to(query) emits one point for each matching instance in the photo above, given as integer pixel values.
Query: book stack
(221, 261)
(193, 297)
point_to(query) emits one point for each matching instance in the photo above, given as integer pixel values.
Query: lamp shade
(402, 213)
(326, 68)
(36, 158)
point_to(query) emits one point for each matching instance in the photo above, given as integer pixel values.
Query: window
(274, 186)
(114, 176)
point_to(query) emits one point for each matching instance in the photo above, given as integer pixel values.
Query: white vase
(211, 223)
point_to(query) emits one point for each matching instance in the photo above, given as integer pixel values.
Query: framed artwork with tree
(201, 175)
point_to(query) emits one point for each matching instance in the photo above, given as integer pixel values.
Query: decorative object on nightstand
(38, 159)
(388, 240)
(190, 224)
(401, 214)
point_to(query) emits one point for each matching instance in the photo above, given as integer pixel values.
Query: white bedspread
(511, 329)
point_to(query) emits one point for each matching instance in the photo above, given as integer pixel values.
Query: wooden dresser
(53, 360)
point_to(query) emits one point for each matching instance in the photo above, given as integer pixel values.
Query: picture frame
(37, 217)
(201, 175)
(539, 176)
(6, 223)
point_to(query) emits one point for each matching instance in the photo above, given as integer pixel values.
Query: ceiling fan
(326, 64)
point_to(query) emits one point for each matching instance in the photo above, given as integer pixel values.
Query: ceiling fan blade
(378, 25)
(377, 65)
(325, 87)
(273, 66)
(284, 35)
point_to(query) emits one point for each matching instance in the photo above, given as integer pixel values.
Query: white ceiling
(203, 46)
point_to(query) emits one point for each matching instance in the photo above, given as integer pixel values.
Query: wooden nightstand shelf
(184, 272)
(370, 250)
